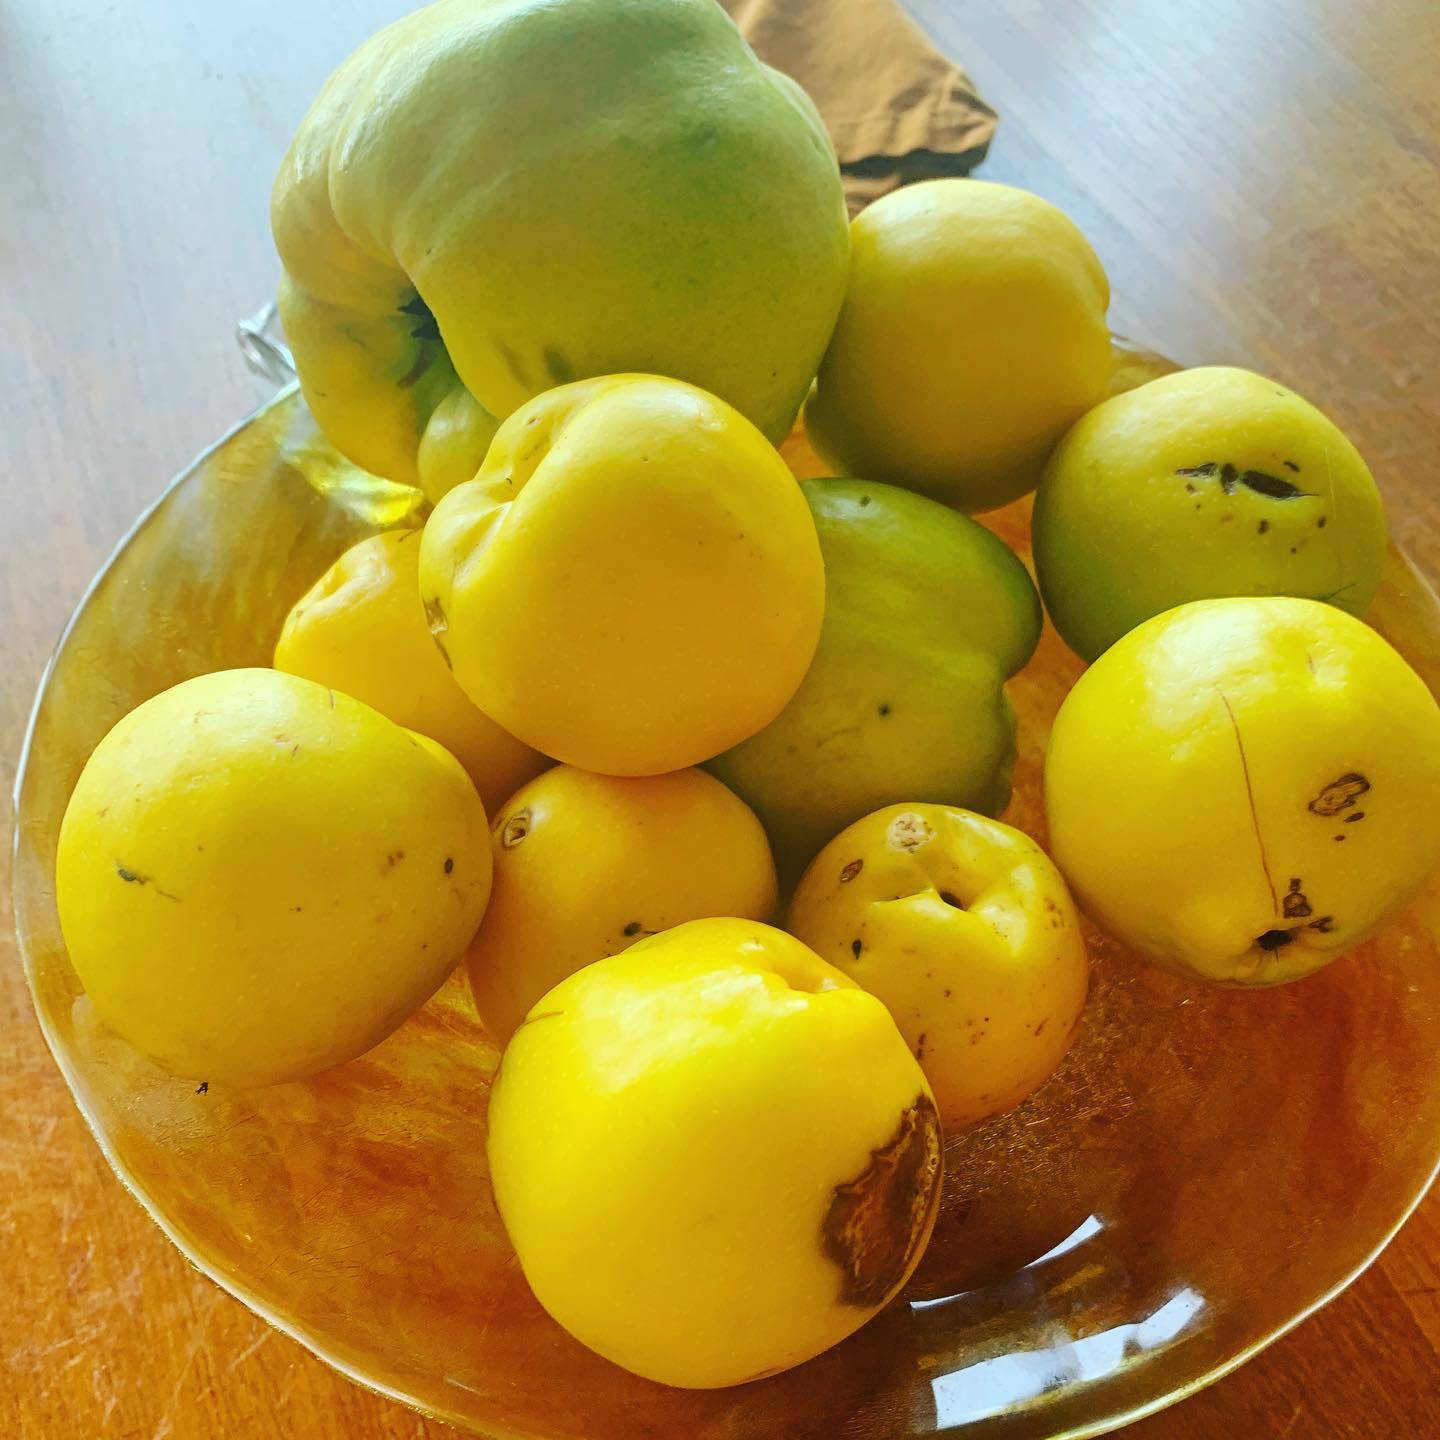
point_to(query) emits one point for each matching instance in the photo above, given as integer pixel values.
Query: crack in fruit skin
(877, 1221)
(1250, 798)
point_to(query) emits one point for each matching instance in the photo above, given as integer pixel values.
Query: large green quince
(494, 197)
(927, 613)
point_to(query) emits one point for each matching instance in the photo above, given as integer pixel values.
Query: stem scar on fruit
(909, 832)
(516, 828)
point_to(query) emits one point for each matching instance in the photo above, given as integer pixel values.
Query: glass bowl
(1206, 1168)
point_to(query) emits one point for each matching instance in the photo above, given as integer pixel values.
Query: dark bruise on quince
(877, 1221)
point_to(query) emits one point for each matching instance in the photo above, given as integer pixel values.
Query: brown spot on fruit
(855, 948)
(1325, 924)
(632, 929)
(1262, 527)
(909, 832)
(1358, 815)
(1273, 486)
(1291, 465)
(1274, 939)
(877, 1221)
(449, 864)
(1296, 906)
(851, 871)
(134, 877)
(515, 828)
(418, 367)
(1340, 794)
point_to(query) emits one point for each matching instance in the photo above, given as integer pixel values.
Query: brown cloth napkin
(897, 109)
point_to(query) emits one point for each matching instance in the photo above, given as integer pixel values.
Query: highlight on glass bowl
(595, 899)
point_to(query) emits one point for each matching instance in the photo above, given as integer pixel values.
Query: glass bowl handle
(267, 356)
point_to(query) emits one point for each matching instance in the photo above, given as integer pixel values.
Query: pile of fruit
(635, 696)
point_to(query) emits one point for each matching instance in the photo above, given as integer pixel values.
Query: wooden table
(1263, 183)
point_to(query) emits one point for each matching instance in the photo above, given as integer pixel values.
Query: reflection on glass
(1008, 1381)
(1090, 1226)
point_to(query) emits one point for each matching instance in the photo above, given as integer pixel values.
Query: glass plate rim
(296, 1332)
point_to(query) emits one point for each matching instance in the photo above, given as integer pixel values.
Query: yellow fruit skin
(499, 196)
(361, 629)
(453, 443)
(633, 581)
(586, 865)
(668, 1134)
(1241, 768)
(964, 928)
(973, 334)
(258, 877)
(1151, 500)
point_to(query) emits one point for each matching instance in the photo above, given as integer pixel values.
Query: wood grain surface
(1263, 184)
